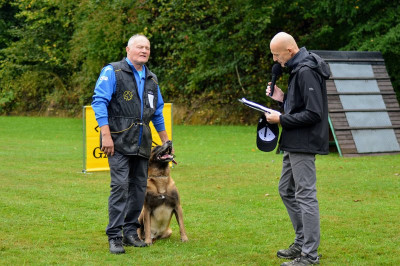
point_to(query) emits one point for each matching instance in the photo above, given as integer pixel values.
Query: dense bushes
(51, 52)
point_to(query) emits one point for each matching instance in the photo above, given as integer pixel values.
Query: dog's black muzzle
(163, 153)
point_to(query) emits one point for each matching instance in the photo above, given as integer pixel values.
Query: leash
(155, 143)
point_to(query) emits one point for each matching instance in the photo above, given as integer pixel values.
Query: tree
(206, 53)
(33, 65)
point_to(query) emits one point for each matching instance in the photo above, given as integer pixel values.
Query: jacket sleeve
(103, 91)
(158, 117)
(309, 84)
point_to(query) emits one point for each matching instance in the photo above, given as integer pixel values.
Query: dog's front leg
(179, 219)
(140, 230)
(147, 226)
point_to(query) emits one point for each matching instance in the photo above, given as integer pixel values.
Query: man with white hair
(126, 98)
(305, 133)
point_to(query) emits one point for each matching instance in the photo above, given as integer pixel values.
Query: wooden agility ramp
(364, 114)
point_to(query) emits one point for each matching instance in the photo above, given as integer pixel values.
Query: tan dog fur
(162, 199)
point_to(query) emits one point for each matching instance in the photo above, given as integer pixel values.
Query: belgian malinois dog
(162, 198)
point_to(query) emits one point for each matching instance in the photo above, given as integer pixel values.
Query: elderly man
(304, 134)
(126, 98)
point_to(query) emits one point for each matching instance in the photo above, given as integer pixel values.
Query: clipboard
(257, 106)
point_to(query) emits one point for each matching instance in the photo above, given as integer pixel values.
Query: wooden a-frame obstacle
(364, 114)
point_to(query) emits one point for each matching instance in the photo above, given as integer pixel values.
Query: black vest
(124, 114)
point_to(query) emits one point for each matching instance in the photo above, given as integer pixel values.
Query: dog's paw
(148, 242)
(184, 239)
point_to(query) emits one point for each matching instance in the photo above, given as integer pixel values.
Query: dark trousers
(128, 189)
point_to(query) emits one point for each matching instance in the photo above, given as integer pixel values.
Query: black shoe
(116, 246)
(302, 261)
(294, 251)
(133, 240)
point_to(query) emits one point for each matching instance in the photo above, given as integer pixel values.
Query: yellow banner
(93, 158)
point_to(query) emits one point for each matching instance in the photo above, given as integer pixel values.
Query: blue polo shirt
(106, 87)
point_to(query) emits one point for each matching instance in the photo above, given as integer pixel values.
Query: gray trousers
(128, 189)
(297, 188)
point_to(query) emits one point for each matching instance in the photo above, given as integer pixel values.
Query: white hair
(134, 37)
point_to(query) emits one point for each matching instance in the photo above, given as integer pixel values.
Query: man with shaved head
(126, 98)
(305, 133)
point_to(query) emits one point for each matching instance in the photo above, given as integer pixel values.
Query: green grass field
(51, 213)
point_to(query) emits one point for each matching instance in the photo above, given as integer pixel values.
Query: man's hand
(274, 117)
(107, 144)
(164, 138)
(278, 93)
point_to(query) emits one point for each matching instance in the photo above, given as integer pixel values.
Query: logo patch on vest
(128, 95)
